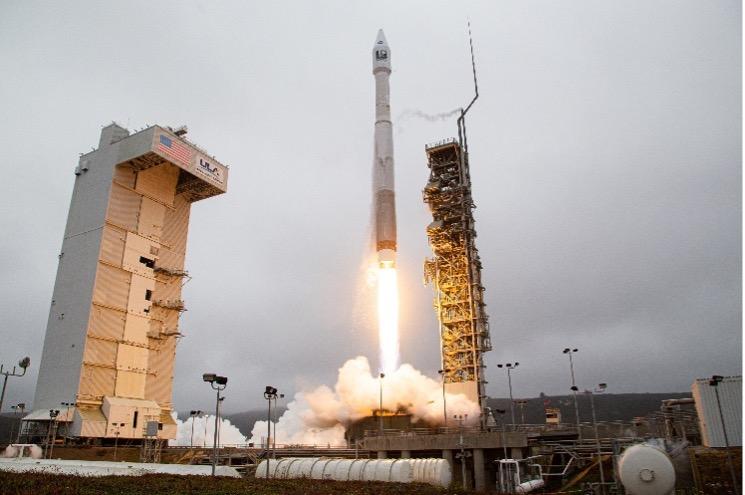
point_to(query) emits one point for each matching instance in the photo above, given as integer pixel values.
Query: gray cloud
(605, 155)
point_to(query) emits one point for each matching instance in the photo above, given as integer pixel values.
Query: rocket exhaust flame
(388, 318)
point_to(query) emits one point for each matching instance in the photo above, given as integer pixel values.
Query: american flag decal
(174, 149)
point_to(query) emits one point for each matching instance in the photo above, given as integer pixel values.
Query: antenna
(473, 67)
(462, 138)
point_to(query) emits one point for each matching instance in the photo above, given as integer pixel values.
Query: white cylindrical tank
(646, 470)
(432, 471)
(529, 486)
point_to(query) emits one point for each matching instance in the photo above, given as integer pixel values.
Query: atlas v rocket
(384, 199)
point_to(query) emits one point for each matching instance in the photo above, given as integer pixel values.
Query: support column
(448, 456)
(479, 474)
(405, 454)
(382, 454)
(516, 452)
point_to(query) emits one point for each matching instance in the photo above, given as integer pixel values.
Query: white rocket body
(383, 186)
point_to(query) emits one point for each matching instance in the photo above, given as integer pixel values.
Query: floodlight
(209, 377)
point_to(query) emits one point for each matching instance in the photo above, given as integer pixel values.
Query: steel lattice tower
(455, 271)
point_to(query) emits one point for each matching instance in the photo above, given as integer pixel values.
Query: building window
(147, 262)
(134, 419)
(148, 294)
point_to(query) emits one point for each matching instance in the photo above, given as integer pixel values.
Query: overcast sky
(606, 167)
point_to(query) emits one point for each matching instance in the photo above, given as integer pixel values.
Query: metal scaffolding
(455, 269)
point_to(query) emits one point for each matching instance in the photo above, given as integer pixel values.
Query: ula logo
(206, 167)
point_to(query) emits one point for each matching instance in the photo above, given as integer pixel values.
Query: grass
(162, 484)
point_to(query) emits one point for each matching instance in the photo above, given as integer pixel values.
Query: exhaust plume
(429, 117)
(321, 416)
(204, 432)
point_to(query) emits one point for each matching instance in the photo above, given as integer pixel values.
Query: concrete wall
(486, 440)
(64, 342)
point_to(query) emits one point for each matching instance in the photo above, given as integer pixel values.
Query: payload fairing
(384, 197)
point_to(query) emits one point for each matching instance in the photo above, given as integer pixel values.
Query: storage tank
(646, 470)
(431, 471)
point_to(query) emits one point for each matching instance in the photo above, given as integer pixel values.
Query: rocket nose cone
(380, 40)
(381, 54)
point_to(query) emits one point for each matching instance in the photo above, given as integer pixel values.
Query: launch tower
(110, 343)
(455, 271)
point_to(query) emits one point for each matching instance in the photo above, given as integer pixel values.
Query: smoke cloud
(12, 451)
(204, 432)
(321, 416)
(435, 117)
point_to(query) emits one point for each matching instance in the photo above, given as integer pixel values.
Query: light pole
(521, 403)
(501, 413)
(52, 433)
(599, 390)
(274, 437)
(714, 382)
(116, 438)
(380, 410)
(463, 455)
(571, 351)
(442, 373)
(16, 408)
(24, 364)
(509, 367)
(20, 406)
(269, 394)
(68, 419)
(217, 383)
(193, 415)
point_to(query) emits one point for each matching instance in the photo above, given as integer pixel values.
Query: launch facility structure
(455, 269)
(110, 344)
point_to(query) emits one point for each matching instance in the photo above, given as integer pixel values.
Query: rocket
(384, 200)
